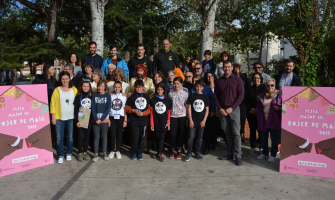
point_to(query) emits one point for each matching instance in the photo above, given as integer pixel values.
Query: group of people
(204, 100)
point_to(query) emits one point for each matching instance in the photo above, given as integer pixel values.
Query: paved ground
(173, 179)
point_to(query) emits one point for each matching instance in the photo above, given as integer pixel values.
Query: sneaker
(238, 162)
(279, 148)
(111, 154)
(118, 155)
(139, 156)
(68, 158)
(198, 156)
(60, 160)
(178, 155)
(262, 156)
(81, 158)
(171, 156)
(86, 157)
(161, 157)
(218, 139)
(252, 151)
(272, 159)
(188, 157)
(105, 157)
(134, 157)
(95, 158)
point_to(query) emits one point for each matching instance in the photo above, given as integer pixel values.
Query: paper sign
(84, 117)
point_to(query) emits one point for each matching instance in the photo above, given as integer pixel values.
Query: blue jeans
(64, 128)
(274, 141)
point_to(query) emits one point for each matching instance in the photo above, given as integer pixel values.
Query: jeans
(100, 129)
(160, 140)
(64, 128)
(83, 138)
(116, 130)
(137, 141)
(177, 126)
(196, 133)
(274, 142)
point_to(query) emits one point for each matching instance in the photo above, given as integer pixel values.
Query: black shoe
(146, 151)
(227, 157)
(243, 139)
(238, 162)
(198, 156)
(206, 151)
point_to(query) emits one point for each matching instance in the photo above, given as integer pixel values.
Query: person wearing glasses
(251, 101)
(199, 70)
(219, 70)
(188, 81)
(258, 67)
(268, 112)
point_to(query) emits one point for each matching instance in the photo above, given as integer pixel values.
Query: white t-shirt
(67, 106)
(94, 87)
(118, 104)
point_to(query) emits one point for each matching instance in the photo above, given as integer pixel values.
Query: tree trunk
(97, 29)
(207, 28)
(248, 61)
(260, 58)
(53, 21)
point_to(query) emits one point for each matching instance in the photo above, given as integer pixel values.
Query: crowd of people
(193, 100)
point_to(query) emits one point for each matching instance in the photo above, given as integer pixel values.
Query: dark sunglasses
(258, 67)
(197, 68)
(268, 85)
(188, 76)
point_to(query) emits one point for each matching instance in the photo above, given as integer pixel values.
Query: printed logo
(145, 64)
(100, 100)
(285, 167)
(141, 103)
(198, 105)
(117, 104)
(23, 159)
(170, 57)
(86, 103)
(160, 107)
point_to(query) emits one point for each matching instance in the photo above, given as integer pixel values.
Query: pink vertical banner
(308, 136)
(25, 137)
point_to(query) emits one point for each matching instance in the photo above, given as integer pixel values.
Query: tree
(97, 30)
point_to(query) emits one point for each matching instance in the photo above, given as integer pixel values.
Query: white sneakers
(116, 154)
(262, 156)
(60, 160)
(111, 154)
(272, 159)
(252, 151)
(68, 158)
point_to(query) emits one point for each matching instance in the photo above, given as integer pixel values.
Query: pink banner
(308, 137)
(25, 137)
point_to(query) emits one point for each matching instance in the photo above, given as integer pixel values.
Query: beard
(288, 71)
(140, 76)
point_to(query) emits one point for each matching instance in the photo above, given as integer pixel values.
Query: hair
(117, 71)
(224, 53)
(271, 79)
(139, 83)
(87, 64)
(101, 74)
(160, 74)
(236, 65)
(173, 72)
(178, 79)
(256, 73)
(112, 46)
(92, 42)
(46, 68)
(194, 57)
(197, 64)
(141, 66)
(257, 63)
(200, 82)
(198, 76)
(227, 61)
(69, 59)
(64, 73)
(208, 52)
(206, 80)
(70, 66)
(290, 60)
(188, 72)
(141, 45)
(105, 84)
(117, 82)
(189, 56)
(111, 65)
(90, 91)
(161, 85)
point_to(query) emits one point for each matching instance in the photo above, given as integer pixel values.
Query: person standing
(228, 95)
(92, 57)
(258, 67)
(140, 59)
(219, 69)
(74, 79)
(98, 75)
(208, 65)
(141, 74)
(288, 77)
(188, 81)
(199, 70)
(187, 65)
(115, 60)
(165, 60)
(73, 59)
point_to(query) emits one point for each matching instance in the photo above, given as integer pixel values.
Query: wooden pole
(140, 36)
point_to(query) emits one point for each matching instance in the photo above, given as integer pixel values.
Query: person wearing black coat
(288, 77)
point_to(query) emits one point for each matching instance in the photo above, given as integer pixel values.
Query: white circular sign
(86, 103)
(141, 103)
(160, 107)
(198, 105)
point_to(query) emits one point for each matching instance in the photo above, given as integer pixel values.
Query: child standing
(197, 109)
(160, 117)
(208, 64)
(83, 100)
(117, 118)
(138, 107)
(101, 106)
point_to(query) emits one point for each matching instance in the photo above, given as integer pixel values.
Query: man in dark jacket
(92, 57)
(165, 60)
(76, 80)
(140, 59)
(288, 77)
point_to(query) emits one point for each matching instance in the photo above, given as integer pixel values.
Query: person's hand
(253, 111)
(98, 122)
(167, 127)
(109, 123)
(135, 111)
(78, 125)
(152, 128)
(229, 110)
(223, 112)
(139, 113)
(124, 94)
(53, 120)
(202, 124)
(129, 94)
(191, 123)
(124, 124)
(276, 108)
(212, 114)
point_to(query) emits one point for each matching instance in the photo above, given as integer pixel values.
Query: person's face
(194, 80)
(117, 88)
(177, 85)
(88, 69)
(166, 45)
(198, 69)
(199, 88)
(92, 48)
(65, 80)
(73, 58)
(160, 91)
(236, 71)
(210, 77)
(171, 76)
(270, 86)
(157, 78)
(195, 61)
(140, 73)
(139, 89)
(227, 68)
(289, 67)
(51, 71)
(259, 69)
(113, 51)
(224, 57)
(140, 51)
(188, 77)
(118, 77)
(101, 88)
(66, 69)
(207, 57)
(110, 69)
(257, 79)
(96, 77)
(85, 87)
(187, 60)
